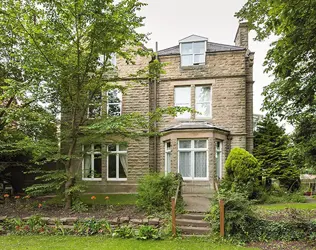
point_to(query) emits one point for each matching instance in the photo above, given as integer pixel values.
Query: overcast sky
(168, 21)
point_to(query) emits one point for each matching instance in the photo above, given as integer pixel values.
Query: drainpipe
(155, 123)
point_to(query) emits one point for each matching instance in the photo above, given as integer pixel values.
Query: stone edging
(70, 221)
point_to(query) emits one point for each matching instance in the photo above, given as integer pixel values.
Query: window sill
(122, 179)
(195, 179)
(201, 66)
(92, 179)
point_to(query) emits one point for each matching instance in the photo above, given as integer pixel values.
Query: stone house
(214, 79)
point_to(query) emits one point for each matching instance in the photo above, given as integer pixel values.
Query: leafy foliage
(238, 213)
(155, 192)
(304, 139)
(243, 223)
(271, 148)
(241, 172)
(291, 58)
(148, 233)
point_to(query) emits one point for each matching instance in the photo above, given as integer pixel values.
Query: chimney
(241, 38)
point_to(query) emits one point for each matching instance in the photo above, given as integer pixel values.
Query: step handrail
(173, 209)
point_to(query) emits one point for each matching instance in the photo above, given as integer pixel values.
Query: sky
(168, 21)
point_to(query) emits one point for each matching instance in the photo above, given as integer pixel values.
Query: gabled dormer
(193, 50)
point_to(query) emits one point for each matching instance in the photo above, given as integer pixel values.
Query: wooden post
(222, 218)
(173, 212)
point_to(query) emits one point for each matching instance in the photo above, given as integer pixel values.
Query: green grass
(93, 242)
(281, 206)
(114, 199)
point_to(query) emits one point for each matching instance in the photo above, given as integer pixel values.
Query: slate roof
(211, 47)
(194, 125)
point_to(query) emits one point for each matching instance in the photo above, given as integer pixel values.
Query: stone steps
(192, 224)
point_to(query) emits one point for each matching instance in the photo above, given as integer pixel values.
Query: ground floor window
(117, 162)
(92, 162)
(167, 157)
(219, 159)
(193, 159)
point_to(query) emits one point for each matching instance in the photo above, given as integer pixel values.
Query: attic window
(193, 53)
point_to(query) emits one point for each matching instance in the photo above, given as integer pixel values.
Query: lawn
(114, 199)
(281, 206)
(94, 242)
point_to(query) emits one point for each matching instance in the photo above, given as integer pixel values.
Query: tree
(291, 58)
(271, 148)
(304, 140)
(62, 43)
(241, 172)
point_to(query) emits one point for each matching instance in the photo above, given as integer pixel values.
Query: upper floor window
(182, 98)
(203, 101)
(193, 53)
(114, 103)
(95, 105)
(111, 60)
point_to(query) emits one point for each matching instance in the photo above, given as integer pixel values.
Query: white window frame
(193, 54)
(117, 153)
(193, 150)
(167, 152)
(91, 153)
(220, 174)
(114, 103)
(112, 59)
(95, 104)
(185, 115)
(198, 116)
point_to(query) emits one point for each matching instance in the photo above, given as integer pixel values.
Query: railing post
(222, 218)
(173, 213)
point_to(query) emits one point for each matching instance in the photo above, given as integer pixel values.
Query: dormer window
(192, 53)
(192, 49)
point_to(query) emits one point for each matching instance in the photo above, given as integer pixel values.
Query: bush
(155, 192)
(243, 224)
(238, 213)
(241, 172)
(281, 197)
(148, 232)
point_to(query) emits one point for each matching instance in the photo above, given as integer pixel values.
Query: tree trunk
(68, 196)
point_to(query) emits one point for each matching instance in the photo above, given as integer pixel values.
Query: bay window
(167, 157)
(219, 159)
(193, 159)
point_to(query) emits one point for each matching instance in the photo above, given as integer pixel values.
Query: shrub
(148, 232)
(155, 192)
(124, 232)
(92, 227)
(238, 213)
(281, 197)
(243, 224)
(241, 172)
